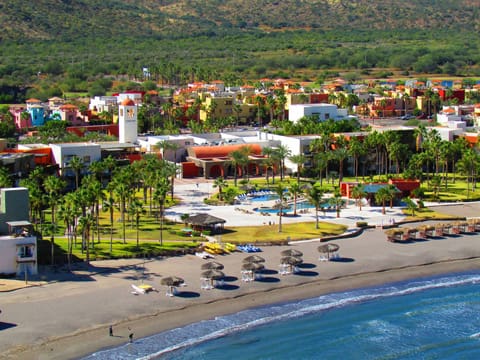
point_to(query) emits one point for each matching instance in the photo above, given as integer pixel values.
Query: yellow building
(214, 107)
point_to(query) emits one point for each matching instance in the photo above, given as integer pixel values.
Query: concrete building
(18, 244)
(322, 111)
(63, 154)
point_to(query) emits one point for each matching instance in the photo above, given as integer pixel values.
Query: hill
(75, 19)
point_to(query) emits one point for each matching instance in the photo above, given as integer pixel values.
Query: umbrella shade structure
(172, 281)
(291, 260)
(212, 265)
(253, 259)
(328, 249)
(292, 252)
(213, 274)
(253, 266)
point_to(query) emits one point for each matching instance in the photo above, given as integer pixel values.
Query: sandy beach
(68, 315)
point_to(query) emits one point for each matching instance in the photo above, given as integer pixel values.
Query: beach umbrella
(291, 252)
(328, 248)
(212, 265)
(213, 274)
(291, 260)
(172, 281)
(253, 267)
(254, 259)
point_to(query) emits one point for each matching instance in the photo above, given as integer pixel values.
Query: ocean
(427, 318)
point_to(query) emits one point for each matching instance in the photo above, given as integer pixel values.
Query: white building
(322, 111)
(103, 103)
(63, 154)
(18, 245)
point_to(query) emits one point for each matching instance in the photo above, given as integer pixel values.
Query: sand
(70, 319)
(68, 315)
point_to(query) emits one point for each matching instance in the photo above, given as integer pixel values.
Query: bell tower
(127, 121)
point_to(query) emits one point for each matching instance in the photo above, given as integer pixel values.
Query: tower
(127, 121)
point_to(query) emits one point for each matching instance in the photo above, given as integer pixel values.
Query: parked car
(407, 117)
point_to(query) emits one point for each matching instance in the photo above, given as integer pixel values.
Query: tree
(382, 196)
(68, 213)
(220, 183)
(282, 152)
(295, 190)
(237, 159)
(86, 222)
(280, 191)
(337, 202)
(358, 193)
(76, 164)
(160, 194)
(109, 205)
(315, 195)
(298, 160)
(411, 205)
(136, 210)
(53, 186)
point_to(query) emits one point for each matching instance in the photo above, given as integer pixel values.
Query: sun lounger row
(248, 248)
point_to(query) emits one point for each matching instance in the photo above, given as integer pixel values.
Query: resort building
(18, 244)
(322, 111)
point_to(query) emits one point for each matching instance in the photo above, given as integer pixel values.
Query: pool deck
(192, 193)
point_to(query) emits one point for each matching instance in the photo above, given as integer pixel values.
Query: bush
(362, 224)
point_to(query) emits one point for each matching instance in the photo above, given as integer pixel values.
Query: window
(25, 251)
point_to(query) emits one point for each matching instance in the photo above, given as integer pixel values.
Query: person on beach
(110, 330)
(131, 337)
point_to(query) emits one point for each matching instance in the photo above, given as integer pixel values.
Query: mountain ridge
(67, 19)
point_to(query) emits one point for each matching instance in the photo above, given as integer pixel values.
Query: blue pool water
(434, 318)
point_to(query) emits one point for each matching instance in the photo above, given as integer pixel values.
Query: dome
(128, 102)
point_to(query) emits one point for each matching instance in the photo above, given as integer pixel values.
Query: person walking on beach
(110, 330)
(131, 337)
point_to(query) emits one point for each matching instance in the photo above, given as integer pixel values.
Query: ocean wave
(173, 340)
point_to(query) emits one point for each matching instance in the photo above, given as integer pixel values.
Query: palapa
(291, 252)
(254, 259)
(213, 274)
(172, 281)
(291, 260)
(212, 265)
(253, 266)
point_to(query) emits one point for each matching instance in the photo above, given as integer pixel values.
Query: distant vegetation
(83, 46)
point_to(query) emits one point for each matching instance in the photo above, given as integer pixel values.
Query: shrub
(362, 224)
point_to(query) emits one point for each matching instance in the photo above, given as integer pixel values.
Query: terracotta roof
(128, 102)
(209, 152)
(68, 107)
(33, 100)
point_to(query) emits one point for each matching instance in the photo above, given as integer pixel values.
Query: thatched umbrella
(328, 249)
(254, 259)
(212, 265)
(172, 282)
(213, 274)
(291, 252)
(291, 260)
(253, 267)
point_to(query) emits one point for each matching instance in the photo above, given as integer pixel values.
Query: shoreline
(87, 341)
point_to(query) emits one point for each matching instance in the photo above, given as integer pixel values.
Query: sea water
(430, 318)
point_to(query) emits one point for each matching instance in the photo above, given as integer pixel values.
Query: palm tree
(68, 213)
(160, 194)
(136, 210)
(356, 149)
(220, 183)
(53, 186)
(358, 193)
(295, 190)
(314, 195)
(122, 191)
(411, 205)
(382, 196)
(76, 164)
(337, 202)
(5, 180)
(237, 159)
(280, 191)
(86, 222)
(282, 152)
(298, 160)
(109, 205)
